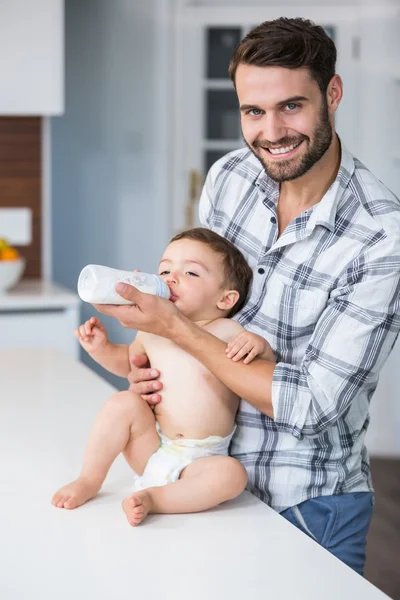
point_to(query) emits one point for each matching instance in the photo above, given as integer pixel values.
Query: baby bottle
(96, 284)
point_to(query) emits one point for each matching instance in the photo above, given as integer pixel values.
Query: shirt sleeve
(350, 344)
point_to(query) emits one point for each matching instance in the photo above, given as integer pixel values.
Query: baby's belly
(195, 417)
(195, 404)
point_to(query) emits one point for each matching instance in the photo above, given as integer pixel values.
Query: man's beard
(287, 170)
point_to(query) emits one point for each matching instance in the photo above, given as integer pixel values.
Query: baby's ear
(228, 300)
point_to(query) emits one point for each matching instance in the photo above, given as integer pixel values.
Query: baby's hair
(238, 274)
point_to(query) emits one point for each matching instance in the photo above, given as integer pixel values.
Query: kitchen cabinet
(31, 57)
(39, 314)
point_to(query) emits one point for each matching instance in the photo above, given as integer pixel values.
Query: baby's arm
(247, 345)
(93, 338)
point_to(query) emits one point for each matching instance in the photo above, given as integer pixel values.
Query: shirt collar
(324, 212)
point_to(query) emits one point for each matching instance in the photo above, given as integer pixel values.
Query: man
(322, 235)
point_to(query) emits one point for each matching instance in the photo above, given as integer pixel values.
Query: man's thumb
(127, 291)
(139, 360)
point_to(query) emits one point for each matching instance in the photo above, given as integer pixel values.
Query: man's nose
(273, 128)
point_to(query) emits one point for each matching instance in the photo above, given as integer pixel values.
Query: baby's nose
(171, 278)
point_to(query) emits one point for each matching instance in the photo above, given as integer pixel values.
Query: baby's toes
(136, 520)
(133, 518)
(138, 512)
(55, 499)
(132, 502)
(135, 500)
(62, 501)
(58, 500)
(70, 502)
(128, 509)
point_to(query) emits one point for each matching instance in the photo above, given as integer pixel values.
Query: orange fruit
(3, 244)
(9, 254)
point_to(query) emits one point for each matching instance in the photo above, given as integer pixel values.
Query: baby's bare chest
(181, 373)
(173, 362)
(194, 402)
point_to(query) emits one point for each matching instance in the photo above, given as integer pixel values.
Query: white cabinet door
(40, 329)
(206, 122)
(31, 57)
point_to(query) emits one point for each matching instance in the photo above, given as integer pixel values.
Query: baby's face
(194, 274)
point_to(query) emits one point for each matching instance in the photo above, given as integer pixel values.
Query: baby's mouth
(173, 297)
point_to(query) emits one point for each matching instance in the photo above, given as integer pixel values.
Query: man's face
(194, 273)
(285, 119)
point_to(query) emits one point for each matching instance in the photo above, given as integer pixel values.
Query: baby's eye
(164, 273)
(191, 274)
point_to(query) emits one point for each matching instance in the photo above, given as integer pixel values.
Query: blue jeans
(338, 523)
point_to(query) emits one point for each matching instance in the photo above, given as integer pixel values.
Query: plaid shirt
(326, 297)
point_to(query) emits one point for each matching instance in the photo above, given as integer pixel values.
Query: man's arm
(345, 354)
(252, 382)
(349, 345)
(161, 317)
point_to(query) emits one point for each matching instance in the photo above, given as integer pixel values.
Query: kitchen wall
(20, 180)
(109, 206)
(31, 87)
(379, 96)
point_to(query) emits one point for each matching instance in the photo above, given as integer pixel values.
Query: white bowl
(11, 272)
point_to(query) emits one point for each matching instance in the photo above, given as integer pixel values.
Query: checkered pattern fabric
(326, 296)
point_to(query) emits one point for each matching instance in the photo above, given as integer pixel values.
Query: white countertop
(31, 294)
(242, 550)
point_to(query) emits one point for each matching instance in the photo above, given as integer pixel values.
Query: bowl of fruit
(12, 266)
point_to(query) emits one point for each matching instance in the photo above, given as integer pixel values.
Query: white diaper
(166, 465)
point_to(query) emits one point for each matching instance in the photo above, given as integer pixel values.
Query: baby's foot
(137, 506)
(75, 493)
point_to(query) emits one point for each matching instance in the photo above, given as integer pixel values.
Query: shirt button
(261, 271)
(273, 220)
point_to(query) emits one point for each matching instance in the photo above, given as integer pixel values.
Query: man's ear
(228, 300)
(334, 93)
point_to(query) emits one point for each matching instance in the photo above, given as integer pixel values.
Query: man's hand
(142, 379)
(148, 313)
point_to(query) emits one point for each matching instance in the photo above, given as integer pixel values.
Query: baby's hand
(92, 335)
(246, 344)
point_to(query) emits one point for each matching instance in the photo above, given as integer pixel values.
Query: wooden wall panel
(20, 179)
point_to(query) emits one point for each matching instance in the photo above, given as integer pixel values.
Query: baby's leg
(203, 484)
(125, 424)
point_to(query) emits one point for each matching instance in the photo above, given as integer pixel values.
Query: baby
(185, 441)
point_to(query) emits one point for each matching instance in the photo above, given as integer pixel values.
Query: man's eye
(191, 274)
(164, 273)
(291, 106)
(254, 112)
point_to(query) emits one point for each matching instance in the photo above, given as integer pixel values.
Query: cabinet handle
(195, 180)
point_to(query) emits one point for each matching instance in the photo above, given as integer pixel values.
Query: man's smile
(281, 151)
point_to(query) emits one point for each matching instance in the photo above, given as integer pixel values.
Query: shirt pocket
(296, 307)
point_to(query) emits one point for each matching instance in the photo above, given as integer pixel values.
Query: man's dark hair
(290, 43)
(238, 274)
